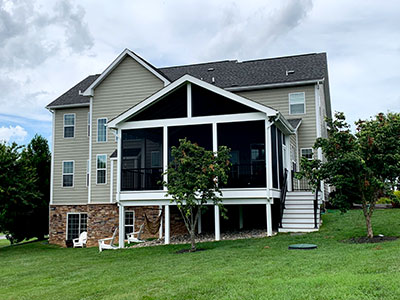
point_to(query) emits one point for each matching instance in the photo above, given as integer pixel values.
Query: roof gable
(116, 62)
(178, 83)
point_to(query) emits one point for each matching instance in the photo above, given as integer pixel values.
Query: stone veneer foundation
(103, 219)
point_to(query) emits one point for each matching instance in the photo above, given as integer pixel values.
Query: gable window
(68, 174)
(101, 130)
(101, 169)
(297, 104)
(76, 224)
(307, 153)
(129, 222)
(69, 125)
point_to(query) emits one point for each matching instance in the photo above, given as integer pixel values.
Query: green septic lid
(302, 247)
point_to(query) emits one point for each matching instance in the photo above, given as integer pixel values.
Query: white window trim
(73, 174)
(75, 213)
(305, 110)
(97, 131)
(69, 125)
(308, 148)
(134, 217)
(97, 169)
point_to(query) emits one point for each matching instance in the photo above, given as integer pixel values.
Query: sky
(46, 47)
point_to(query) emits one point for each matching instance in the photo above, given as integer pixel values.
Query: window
(76, 224)
(87, 172)
(307, 153)
(129, 222)
(297, 103)
(88, 124)
(101, 130)
(69, 125)
(155, 159)
(101, 168)
(68, 174)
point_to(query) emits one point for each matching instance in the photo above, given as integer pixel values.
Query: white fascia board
(115, 63)
(284, 125)
(188, 78)
(68, 106)
(273, 85)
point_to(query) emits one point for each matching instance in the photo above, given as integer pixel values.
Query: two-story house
(112, 135)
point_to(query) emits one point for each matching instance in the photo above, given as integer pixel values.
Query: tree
(361, 167)
(18, 192)
(194, 179)
(37, 155)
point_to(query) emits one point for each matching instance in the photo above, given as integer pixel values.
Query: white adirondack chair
(134, 237)
(110, 245)
(81, 241)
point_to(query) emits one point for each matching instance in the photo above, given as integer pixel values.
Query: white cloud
(12, 134)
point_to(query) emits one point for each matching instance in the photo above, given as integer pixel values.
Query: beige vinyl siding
(123, 88)
(76, 149)
(279, 99)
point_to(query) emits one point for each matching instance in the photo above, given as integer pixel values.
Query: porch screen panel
(247, 143)
(174, 105)
(200, 134)
(207, 103)
(139, 148)
(274, 157)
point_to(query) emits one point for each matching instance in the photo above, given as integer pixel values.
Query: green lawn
(242, 269)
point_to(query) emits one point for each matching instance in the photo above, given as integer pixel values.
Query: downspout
(90, 149)
(53, 132)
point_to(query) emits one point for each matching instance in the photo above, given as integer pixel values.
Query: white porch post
(240, 217)
(217, 227)
(268, 156)
(269, 219)
(167, 233)
(160, 231)
(111, 179)
(288, 162)
(121, 228)
(199, 224)
(119, 155)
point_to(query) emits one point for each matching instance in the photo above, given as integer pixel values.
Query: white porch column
(199, 224)
(268, 156)
(288, 162)
(121, 229)
(167, 217)
(119, 155)
(111, 179)
(217, 227)
(269, 219)
(165, 154)
(240, 217)
(160, 231)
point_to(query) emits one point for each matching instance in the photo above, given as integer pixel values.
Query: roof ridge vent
(288, 72)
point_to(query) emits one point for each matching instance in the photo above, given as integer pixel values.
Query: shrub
(384, 200)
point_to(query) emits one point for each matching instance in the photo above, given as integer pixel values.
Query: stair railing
(282, 199)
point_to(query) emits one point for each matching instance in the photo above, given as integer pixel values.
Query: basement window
(76, 224)
(129, 222)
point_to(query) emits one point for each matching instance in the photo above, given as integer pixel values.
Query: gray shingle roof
(294, 122)
(229, 74)
(72, 97)
(232, 73)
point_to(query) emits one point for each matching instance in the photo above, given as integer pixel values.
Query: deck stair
(298, 215)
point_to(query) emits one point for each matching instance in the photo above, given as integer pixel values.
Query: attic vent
(213, 79)
(288, 72)
(210, 69)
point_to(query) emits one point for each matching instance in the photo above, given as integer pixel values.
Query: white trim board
(115, 63)
(114, 123)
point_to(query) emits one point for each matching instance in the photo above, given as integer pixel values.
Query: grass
(242, 269)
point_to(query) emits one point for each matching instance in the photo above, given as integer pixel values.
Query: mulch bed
(374, 240)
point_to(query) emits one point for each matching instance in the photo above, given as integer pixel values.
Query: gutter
(67, 106)
(272, 85)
